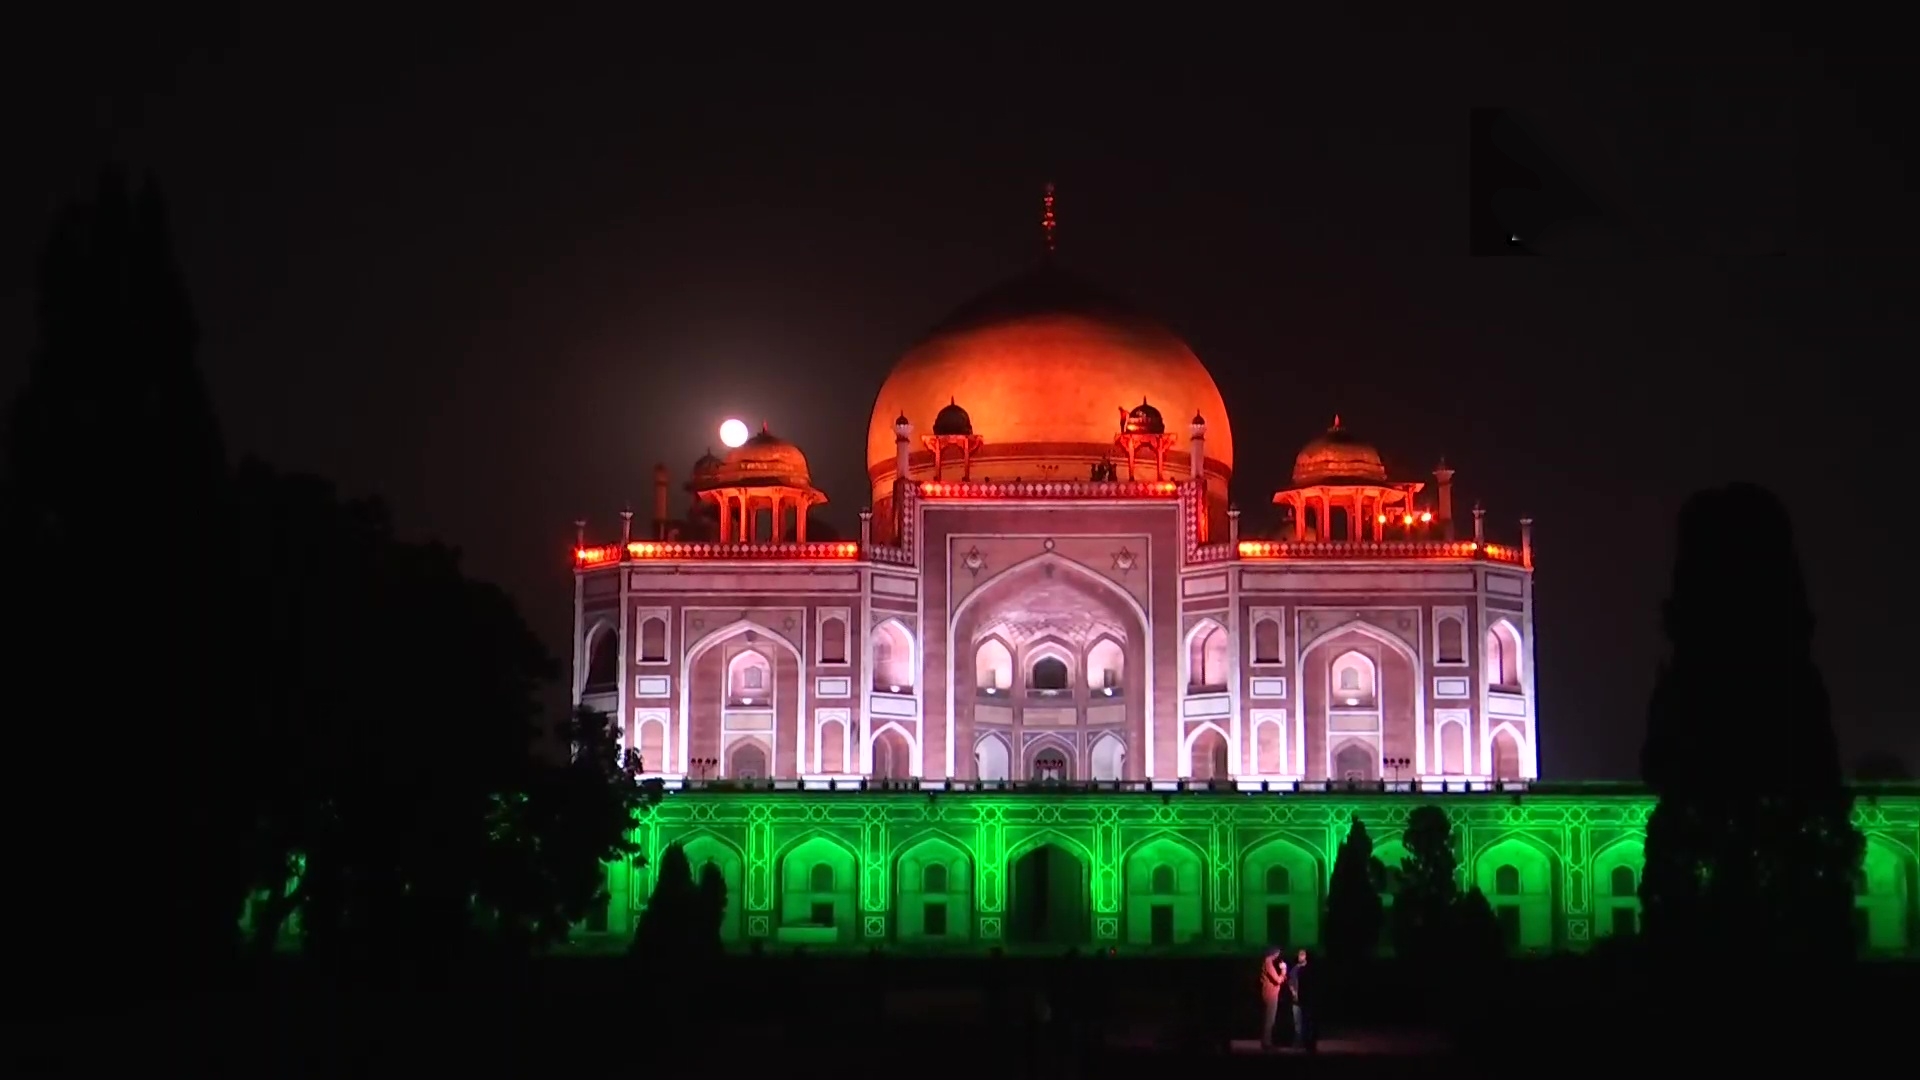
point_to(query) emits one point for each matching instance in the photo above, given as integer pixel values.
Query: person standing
(1273, 979)
(1300, 995)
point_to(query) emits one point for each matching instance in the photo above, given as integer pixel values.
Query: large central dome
(1043, 365)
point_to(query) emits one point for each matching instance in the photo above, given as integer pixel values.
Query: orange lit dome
(1050, 369)
(1338, 457)
(766, 460)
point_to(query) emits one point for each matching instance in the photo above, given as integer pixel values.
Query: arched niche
(1449, 640)
(1355, 762)
(653, 639)
(705, 848)
(1106, 667)
(1504, 755)
(1050, 759)
(1267, 641)
(1280, 895)
(993, 667)
(806, 866)
(1614, 877)
(1044, 602)
(1049, 668)
(1503, 657)
(1208, 756)
(892, 752)
(603, 659)
(1516, 876)
(934, 879)
(749, 760)
(749, 679)
(1880, 904)
(833, 639)
(1207, 658)
(1165, 884)
(1353, 682)
(993, 760)
(894, 663)
(1107, 760)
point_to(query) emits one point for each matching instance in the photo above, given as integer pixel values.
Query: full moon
(733, 433)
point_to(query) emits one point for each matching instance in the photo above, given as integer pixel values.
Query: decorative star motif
(973, 561)
(699, 623)
(1123, 559)
(788, 624)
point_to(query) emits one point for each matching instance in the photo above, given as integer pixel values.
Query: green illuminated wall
(1186, 870)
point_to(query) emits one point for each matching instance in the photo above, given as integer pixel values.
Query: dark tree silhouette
(1751, 851)
(682, 920)
(713, 906)
(1475, 939)
(1423, 905)
(110, 550)
(1881, 767)
(399, 697)
(1355, 914)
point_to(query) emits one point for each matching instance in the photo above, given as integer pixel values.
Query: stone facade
(1064, 631)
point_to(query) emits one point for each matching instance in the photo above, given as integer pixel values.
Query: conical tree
(113, 478)
(1354, 911)
(1751, 851)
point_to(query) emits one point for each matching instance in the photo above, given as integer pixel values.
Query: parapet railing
(1249, 786)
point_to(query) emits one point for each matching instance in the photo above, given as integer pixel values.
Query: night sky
(494, 273)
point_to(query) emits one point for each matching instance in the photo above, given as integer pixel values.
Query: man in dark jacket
(1300, 994)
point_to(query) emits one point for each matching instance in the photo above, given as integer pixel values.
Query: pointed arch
(600, 656)
(1051, 647)
(1515, 872)
(704, 844)
(1105, 666)
(809, 897)
(1107, 757)
(1881, 900)
(992, 758)
(1365, 629)
(1620, 863)
(1095, 580)
(1345, 756)
(1286, 919)
(1505, 660)
(993, 664)
(1164, 875)
(816, 838)
(1489, 752)
(907, 744)
(747, 758)
(896, 656)
(725, 633)
(1353, 681)
(1206, 656)
(1193, 738)
(749, 677)
(1407, 651)
(1030, 752)
(1092, 576)
(1044, 836)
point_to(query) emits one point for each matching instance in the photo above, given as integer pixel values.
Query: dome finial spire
(1049, 225)
(1336, 421)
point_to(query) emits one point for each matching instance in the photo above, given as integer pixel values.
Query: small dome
(766, 460)
(1144, 420)
(953, 420)
(1338, 457)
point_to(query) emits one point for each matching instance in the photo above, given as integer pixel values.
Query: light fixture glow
(733, 433)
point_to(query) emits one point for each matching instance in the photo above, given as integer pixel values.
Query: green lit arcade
(1186, 871)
